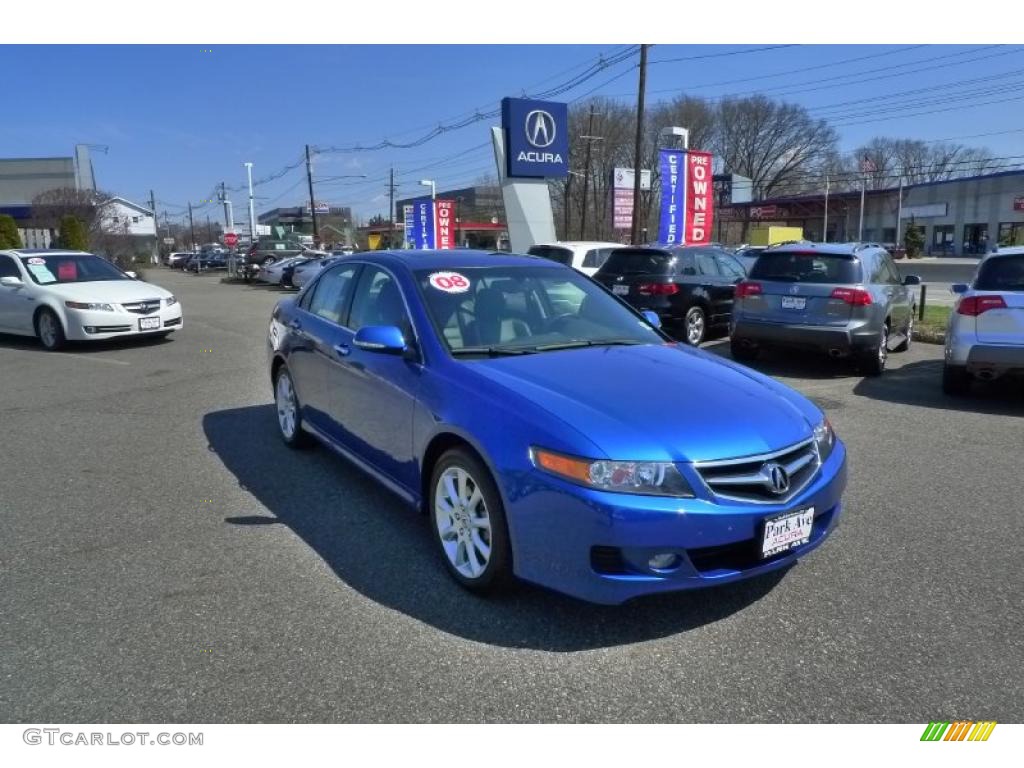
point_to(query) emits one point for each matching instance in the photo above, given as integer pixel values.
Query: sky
(181, 119)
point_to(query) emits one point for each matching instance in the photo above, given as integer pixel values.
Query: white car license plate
(620, 290)
(793, 302)
(149, 323)
(786, 531)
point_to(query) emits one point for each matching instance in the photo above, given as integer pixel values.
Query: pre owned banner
(672, 165)
(699, 198)
(444, 215)
(686, 198)
(423, 224)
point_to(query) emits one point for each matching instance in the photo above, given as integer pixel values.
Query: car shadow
(382, 548)
(30, 343)
(791, 363)
(920, 383)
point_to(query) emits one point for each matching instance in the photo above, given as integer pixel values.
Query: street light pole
(638, 150)
(433, 187)
(312, 202)
(252, 208)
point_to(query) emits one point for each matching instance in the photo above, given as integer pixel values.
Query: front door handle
(343, 350)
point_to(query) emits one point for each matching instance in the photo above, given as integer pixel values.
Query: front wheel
(49, 330)
(468, 519)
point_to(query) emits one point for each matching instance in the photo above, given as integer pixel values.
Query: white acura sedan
(58, 296)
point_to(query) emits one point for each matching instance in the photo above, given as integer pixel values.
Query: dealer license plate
(793, 302)
(620, 290)
(149, 323)
(786, 531)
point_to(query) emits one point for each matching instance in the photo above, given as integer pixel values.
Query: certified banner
(423, 223)
(444, 215)
(699, 198)
(672, 165)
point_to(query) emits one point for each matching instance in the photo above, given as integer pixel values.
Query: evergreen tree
(9, 237)
(73, 235)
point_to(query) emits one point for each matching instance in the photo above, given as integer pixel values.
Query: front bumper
(88, 325)
(596, 545)
(845, 338)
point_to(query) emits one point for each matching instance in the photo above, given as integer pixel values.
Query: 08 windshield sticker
(36, 260)
(41, 273)
(449, 282)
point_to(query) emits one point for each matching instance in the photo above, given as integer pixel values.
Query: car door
(373, 394)
(718, 290)
(315, 330)
(902, 299)
(16, 304)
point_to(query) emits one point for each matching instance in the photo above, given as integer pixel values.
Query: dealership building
(960, 217)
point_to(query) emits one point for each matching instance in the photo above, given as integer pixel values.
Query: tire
(909, 340)
(742, 352)
(695, 326)
(463, 531)
(267, 261)
(956, 380)
(874, 359)
(289, 416)
(49, 330)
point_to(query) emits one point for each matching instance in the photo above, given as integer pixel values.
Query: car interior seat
(492, 325)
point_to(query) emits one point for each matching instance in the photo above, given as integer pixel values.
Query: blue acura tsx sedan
(548, 430)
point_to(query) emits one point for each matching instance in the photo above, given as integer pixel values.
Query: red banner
(444, 224)
(699, 198)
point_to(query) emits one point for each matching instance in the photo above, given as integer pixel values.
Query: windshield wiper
(493, 351)
(587, 343)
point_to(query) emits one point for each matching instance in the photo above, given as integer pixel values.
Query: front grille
(169, 323)
(755, 478)
(145, 307)
(607, 560)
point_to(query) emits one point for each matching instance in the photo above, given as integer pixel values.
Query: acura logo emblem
(540, 128)
(778, 478)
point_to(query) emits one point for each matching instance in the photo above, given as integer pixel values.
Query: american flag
(867, 165)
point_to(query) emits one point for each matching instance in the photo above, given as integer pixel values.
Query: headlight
(824, 438)
(171, 301)
(650, 478)
(89, 305)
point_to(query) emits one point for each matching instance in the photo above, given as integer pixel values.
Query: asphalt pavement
(165, 558)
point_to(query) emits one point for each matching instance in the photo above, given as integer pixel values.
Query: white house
(123, 217)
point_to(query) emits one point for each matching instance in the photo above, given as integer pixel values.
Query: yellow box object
(773, 235)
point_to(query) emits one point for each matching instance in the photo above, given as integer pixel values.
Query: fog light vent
(663, 561)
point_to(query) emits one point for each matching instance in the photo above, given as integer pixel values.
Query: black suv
(690, 288)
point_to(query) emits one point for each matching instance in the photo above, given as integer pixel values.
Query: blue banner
(672, 165)
(536, 138)
(423, 223)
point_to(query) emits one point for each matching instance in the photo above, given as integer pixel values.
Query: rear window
(629, 261)
(561, 255)
(805, 267)
(1003, 273)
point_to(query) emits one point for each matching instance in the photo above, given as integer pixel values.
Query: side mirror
(911, 280)
(958, 287)
(652, 318)
(387, 339)
(132, 275)
(11, 282)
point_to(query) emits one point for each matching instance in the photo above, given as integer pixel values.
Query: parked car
(689, 288)
(60, 296)
(268, 251)
(985, 337)
(747, 255)
(586, 257)
(280, 272)
(303, 273)
(843, 299)
(177, 259)
(518, 421)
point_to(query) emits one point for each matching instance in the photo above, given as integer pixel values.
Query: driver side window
(378, 301)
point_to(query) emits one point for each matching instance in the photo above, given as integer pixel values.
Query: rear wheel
(695, 326)
(49, 330)
(742, 350)
(955, 380)
(874, 359)
(468, 519)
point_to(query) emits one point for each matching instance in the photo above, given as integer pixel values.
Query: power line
(720, 55)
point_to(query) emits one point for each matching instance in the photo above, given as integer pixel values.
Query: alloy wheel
(286, 406)
(695, 326)
(463, 522)
(883, 347)
(48, 329)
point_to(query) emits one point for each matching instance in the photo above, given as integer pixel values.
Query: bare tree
(88, 206)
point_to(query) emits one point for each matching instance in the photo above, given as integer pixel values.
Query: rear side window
(596, 257)
(805, 267)
(1004, 273)
(561, 255)
(730, 266)
(635, 261)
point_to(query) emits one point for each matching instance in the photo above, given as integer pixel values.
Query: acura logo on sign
(778, 478)
(540, 128)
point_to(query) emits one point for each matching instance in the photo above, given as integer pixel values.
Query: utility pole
(860, 226)
(156, 226)
(590, 138)
(253, 239)
(391, 208)
(824, 224)
(312, 202)
(565, 213)
(209, 230)
(191, 227)
(899, 215)
(637, 162)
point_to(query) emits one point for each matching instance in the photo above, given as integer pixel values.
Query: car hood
(658, 402)
(117, 291)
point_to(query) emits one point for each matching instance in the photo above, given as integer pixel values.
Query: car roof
(579, 244)
(1016, 250)
(826, 249)
(45, 251)
(461, 258)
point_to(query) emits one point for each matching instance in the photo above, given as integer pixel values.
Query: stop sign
(230, 239)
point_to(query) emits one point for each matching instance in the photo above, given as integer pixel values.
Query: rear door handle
(342, 349)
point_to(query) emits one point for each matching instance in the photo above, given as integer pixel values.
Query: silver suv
(985, 338)
(843, 299)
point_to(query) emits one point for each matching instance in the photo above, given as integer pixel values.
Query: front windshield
(46, 269)
(518, 310)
